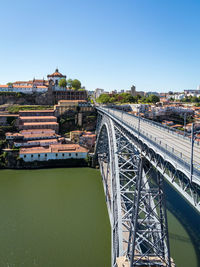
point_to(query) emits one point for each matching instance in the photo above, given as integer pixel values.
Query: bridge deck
(170, 141)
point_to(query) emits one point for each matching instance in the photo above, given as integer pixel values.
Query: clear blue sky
(110, 44)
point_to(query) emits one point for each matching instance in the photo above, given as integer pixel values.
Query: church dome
(56, 74)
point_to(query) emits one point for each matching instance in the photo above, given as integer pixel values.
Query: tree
(154, 99)
(76, 84)
(9, 84)
(69, 83)
(103, 98)
(62, 83)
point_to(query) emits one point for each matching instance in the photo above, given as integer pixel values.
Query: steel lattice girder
(124, 173)
(175, 176)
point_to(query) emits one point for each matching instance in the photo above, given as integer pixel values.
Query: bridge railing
(176, 132)
(170, 151)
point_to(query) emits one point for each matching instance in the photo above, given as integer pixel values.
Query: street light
(138, 122)
(185, 117)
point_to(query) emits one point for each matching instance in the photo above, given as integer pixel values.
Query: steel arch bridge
(133, 183)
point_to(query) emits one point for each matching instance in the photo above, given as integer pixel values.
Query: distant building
(191, 92)
(75, 105)
(134, 92)
(56, 77)
(178, 96)
(51, 87)
(152, 93)
(98, 92)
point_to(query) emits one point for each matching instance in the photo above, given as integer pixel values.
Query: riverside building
(53, 152)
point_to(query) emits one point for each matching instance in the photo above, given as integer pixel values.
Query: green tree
(69, 83)
(62, 83)
(154, 98)
(9, 83)
(76, 84)
(104, 99)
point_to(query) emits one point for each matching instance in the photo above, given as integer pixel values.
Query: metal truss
(171, 170)
(135, 202)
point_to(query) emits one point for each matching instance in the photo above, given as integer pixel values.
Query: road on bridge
(171, 141)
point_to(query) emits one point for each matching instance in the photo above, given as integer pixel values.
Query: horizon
(110, 45)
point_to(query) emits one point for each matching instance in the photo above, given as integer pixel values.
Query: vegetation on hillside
(15, 108)
(15, 94)
(191, 99)
(126, 98)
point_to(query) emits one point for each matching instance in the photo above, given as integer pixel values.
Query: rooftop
(38, 110)
(40, 123)
(37, 117)
(54, 148)
(56, 74)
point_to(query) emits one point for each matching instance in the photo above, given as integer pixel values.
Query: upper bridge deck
(170, 143)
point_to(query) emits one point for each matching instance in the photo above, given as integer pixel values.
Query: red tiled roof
(40, 123)
(36, 111)
(56, 74)
(55, 148)
(36, 117)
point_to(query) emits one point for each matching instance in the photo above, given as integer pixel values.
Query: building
(25, 89)
(47, 112)
(55, 78)
(133, 90)
(75, 136)
(32, 134)
(51, 87)
(178, 96)
(74, 105)
(135, 93)
(152, 93)
(98, 92)
(37, 119)
(53, 152)
(191, 92)
(6, 118)
(87, 140)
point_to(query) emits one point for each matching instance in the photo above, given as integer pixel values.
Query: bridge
(134, 156)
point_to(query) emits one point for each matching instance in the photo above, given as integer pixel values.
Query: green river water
(58, 218)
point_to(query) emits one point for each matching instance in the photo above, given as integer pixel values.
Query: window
(24, 156)
(45, 155)
(31, 156)
(63, 154)
(69, 154)
(56, 154)
(76, 154)
(38, 155)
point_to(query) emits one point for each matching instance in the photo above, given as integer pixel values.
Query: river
(58, 218)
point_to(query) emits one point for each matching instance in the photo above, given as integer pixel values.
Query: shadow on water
(186, 215)
(179, 237)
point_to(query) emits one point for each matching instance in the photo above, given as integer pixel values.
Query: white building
(178, 96)
(98, 92)
(25, 89)
(35, 86)
(53, 152)
(56, 77)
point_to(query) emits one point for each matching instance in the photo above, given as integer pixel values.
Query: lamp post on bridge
(193, 137)
(138, 122)
(185, 119)
(192, 150)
